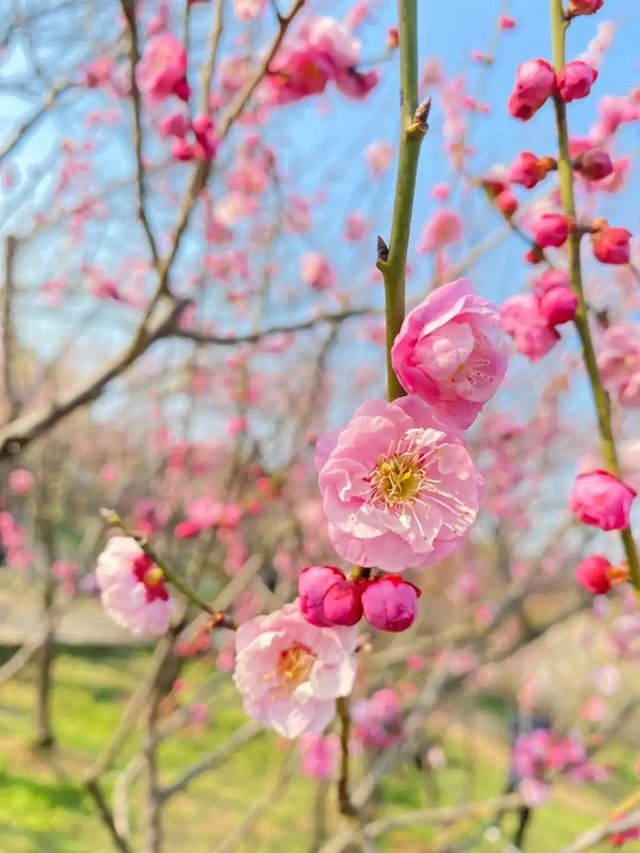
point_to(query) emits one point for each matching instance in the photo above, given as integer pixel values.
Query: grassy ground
(44, 810)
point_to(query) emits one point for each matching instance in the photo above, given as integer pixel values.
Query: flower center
(294, 666)
(397, 479)
(151, 576)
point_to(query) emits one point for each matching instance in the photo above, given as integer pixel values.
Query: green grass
(43, 808)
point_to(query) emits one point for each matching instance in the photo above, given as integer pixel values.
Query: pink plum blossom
(162, 70)
(316, 270)
(290, 672)
(602, 500)
(379, 156)
(325, 50)
(443, 229)
(451, 352)
(378, 720)
(531, 333)
(619, 363)
(319, 754)
(132, 588)
(20, 482)
(399, 488)
(247, 10)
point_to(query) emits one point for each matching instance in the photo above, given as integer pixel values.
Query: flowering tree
(425, 496)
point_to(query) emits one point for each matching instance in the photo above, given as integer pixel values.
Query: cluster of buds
(328, 598)
(536, 82)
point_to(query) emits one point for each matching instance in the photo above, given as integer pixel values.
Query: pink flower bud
(575, 80)
(174, 124)
(593, 574)
(182, 150)
(551, 229)
(182, 89)
(393, 38)
(584, 7)
(558, 305)
(313, 585)
(519, 108)
(507, 204)
(612, 245)
(550, 278)
(506, 22)
(20, 482)
(602, 500)
(594, 164)
(524, 170)
(391, 603)
(188, 529)
(343, 603)
(535, 82)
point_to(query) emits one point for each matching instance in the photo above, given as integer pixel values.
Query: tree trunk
(45, 738)
(152, 822)
(152, 835)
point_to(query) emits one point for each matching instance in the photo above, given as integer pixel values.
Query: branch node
(383, 250)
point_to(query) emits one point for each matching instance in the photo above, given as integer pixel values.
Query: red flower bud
(551, 229)
(593, 574)
(507, 204)
(584, 7)
(343, 603)
(612, 245)
(594, 164)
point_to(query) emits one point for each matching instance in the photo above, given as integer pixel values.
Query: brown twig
(21, 432)
(129, 11)
(255, 337)
(94, 790)
(344, 798)
(8, 342)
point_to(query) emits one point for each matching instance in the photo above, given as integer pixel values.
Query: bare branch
(593, 837)
(202, 170)
(256, 337)
(15, 436)
(129, 10)
(8, 343)
(244, 830)
(246, 733)
(93, 788)
(13, 142)
(209, 67)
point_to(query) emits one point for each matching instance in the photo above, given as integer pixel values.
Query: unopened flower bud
(313, 585)
(343, 603)
(390, 603)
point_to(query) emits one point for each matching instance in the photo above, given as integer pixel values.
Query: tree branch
(129, 11)
(15, 436)
(8, 342)
(255, 337)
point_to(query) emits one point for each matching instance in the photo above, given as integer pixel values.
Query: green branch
(392, 259)
(559, 25)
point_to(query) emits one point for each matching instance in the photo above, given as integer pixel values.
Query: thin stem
(559, 25)
(344, 798)
(392, 262)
